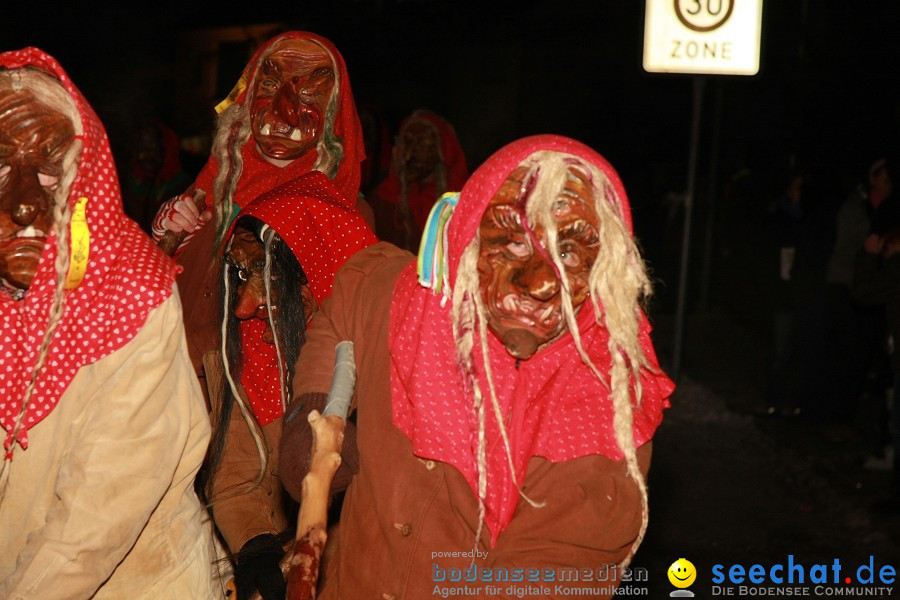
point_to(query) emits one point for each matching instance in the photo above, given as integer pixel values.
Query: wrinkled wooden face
(34, 139)
(519, 284)
(247, 255)
(293, 88)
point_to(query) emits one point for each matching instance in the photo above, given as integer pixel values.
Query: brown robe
(401, 509)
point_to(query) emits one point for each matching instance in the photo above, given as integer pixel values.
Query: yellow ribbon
(80, 238)
(232, 96)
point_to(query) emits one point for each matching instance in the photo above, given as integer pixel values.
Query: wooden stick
(328, 437)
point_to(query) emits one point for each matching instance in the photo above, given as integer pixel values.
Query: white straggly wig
(48, 91)
(268, 235)
(287, 322)
(234, 131)
(618, 285)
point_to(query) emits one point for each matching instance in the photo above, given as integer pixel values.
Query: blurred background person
(154, 174)
(427, 160)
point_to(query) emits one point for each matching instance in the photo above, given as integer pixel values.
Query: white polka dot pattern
(552, 404)
(127, 276)
(323, 229)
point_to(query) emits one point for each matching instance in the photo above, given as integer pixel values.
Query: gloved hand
(296, 447)
(179, 214)
(257, 569)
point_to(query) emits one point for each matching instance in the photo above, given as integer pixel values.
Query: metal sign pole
(711, 198)
(701, 37)
(699, 83)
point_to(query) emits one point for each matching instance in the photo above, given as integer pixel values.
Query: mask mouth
(306, 126)
(22, 256)
(16, 245)
(31, 232)
(281, 130)
(536, 315)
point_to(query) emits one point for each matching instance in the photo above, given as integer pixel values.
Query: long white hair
(48, 91)
(618, 284)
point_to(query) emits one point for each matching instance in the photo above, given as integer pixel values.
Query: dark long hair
(287, 278)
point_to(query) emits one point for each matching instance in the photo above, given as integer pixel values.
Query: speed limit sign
(702, 36)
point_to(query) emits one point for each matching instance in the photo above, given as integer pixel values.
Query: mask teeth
(546, 314)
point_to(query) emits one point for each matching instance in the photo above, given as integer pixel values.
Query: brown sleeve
(591, 515)
(198, 286)
(240, 514)
(360, 297)
(296, 447)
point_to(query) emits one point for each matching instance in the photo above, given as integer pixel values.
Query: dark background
(825, 97)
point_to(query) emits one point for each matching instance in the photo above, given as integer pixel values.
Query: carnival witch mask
(254, 296)
(34, 139)
(293, 87)
(520, 284)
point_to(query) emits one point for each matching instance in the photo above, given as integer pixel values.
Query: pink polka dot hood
(555, 407)
(127, 276)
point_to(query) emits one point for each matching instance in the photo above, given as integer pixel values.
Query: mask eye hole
(51, 182)
(519, 249)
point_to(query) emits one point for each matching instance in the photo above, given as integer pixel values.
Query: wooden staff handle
(328, 437)
(172, 239)
(300, 564)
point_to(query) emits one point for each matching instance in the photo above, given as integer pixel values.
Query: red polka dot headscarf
(554, 407)
(323, 229)
(126, 277)
(257, 174)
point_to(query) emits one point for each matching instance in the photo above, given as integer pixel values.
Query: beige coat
(101, 504)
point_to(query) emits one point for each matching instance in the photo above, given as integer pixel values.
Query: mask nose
(538, 279)
(250, 303)
(25, 197)
(25, 213)
(286, 101)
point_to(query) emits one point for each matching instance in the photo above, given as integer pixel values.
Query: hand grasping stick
(172, 239)
(328, 437)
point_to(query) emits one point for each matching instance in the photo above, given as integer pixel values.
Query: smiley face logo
(682, 573)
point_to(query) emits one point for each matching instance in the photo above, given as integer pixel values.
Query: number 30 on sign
(702, 36)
